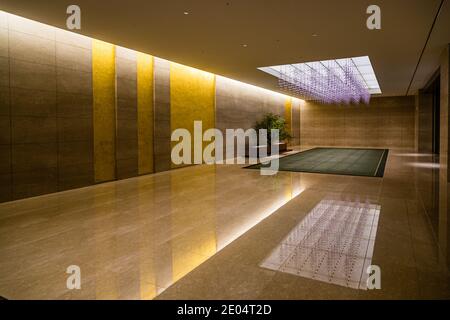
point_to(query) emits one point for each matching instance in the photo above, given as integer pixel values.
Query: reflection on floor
(333, 243)
(202, 232)
(132, 238)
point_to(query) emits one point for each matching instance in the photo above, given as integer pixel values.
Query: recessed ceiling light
(245, 45)
(314, 35)
(185, 13)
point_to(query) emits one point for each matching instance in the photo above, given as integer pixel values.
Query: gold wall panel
(145, 112)
(169, 96)
(104, 110)
(288, 114)
(192, 97)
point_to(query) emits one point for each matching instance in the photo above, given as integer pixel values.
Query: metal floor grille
(334, 243)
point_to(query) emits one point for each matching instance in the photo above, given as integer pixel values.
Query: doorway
(435, 91)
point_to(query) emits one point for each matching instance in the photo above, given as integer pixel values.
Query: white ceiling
(212, 35)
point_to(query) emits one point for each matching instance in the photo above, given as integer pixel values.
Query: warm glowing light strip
(18, 18)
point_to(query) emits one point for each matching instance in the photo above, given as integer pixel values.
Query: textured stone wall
(46, 109)
(75, 111)
(386, 123)
(126, 113)
(240, 105)
(162, 115)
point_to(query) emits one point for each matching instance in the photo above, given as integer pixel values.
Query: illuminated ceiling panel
(328, 81)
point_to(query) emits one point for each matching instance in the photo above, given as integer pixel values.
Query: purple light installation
(331, 81)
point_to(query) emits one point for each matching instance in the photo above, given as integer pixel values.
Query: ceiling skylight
(329, 81)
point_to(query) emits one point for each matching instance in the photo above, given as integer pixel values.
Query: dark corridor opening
(430, 182)
(434, 90)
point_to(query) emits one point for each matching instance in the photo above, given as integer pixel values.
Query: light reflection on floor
(134, 238)
(414, 155)
(334, 243)
(426, 165)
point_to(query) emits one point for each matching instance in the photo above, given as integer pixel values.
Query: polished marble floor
(203, 232)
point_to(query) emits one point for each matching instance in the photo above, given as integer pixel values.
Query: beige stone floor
(201, 232)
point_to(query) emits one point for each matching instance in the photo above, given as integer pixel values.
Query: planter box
(282, 147)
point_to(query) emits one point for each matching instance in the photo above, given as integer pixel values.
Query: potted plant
(273, 121)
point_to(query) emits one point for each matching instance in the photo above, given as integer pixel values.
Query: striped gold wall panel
(104, 110)
(192, 97)
(87, 113)
(295, 129)
(145, 112)
(288, 114)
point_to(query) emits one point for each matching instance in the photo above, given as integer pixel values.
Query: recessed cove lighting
(328, 81)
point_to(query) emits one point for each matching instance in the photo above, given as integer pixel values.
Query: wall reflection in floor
(132, 238)
(427, 180)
